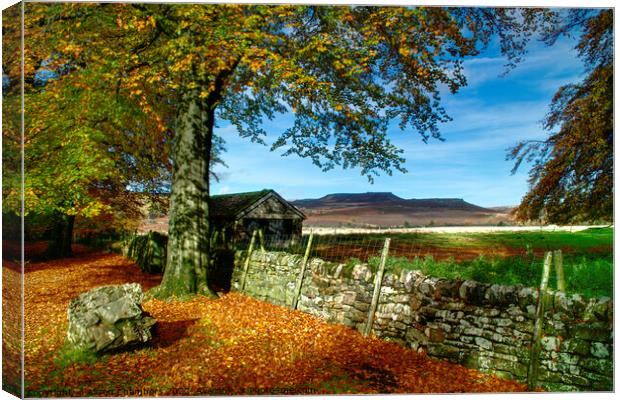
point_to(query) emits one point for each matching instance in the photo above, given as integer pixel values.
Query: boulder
(109, 318)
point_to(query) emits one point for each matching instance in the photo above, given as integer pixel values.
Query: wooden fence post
(233, 233)
(532, 372)
(300, 278)
(246, 266)
(213, 238)
(261, 240)
(377, 289)
(559, 270)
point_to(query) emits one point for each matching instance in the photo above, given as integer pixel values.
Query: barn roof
(235, 205)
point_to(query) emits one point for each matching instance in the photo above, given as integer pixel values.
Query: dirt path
(233, 345)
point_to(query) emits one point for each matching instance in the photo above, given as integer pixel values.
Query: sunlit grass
(591, 276)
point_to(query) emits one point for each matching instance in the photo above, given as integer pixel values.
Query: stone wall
(487, 327)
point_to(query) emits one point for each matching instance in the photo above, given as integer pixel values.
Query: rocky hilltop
(385, 209)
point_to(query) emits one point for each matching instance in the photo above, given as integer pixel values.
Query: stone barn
(239, 214)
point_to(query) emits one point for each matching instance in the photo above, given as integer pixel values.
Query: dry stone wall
(487, 327)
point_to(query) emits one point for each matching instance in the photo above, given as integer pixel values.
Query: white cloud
(490, 115)
(559, 59)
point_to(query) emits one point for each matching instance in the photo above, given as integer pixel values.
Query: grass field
(576, 241)
(503, 258)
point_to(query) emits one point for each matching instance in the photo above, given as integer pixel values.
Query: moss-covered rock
(109, 318)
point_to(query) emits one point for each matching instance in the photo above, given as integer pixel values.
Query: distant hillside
(386, 209)
(345, 199)
(385, 199)
(503, 209)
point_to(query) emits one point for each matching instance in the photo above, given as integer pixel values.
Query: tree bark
(187, 262)
(62, 235)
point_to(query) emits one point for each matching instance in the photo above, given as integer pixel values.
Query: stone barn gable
(266, 210)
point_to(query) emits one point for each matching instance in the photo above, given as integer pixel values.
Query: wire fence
(363, 247)
(337, 248)
(493, 264)
(410, 252)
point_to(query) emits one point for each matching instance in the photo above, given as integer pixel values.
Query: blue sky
(490, 115)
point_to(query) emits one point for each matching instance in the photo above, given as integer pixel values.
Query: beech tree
(76, 141)
(572, 175)
(344, 72)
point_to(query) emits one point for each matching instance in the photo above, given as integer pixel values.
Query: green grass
(587, 255)
(579, 241)
(587, 272)
(68, 355)
(537, 240)
(591, 276)
(341, 384)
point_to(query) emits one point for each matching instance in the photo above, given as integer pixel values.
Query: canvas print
(220, 199)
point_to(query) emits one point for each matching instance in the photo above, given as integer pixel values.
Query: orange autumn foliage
(232, 345)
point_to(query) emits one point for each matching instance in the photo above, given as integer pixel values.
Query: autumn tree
(572, 175)
(77, 131)
(344, 72)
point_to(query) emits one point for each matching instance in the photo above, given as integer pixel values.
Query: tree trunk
(187, 262)
(62, 235)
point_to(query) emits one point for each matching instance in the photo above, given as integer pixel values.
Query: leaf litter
(228, 346)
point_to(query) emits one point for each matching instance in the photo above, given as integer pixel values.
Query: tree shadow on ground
(167, 333)
(36, 251)
(120, 271)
